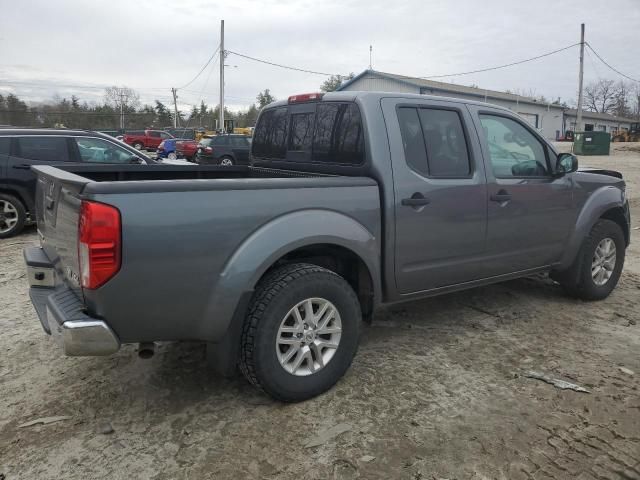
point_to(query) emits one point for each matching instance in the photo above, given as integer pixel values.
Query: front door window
(513, 150)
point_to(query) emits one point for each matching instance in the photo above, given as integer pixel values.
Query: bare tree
(122, 99)
(622, 97)
(126, 97)
(634, 101)
(601, 96)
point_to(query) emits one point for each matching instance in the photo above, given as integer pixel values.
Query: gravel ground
(437, 390)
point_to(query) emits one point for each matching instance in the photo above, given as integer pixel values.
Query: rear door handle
(22, 167)
(500, 197)
(416, 200)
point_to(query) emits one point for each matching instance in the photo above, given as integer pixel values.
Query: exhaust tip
(146, 349)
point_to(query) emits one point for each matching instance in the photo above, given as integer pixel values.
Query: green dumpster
(591, 143)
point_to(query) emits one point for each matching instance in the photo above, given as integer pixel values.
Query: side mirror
(566, 163)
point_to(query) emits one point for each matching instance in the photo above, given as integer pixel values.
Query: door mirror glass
(567, 163)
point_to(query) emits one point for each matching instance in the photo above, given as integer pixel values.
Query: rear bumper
(61, 312)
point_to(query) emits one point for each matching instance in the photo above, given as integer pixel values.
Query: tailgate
(57, 213)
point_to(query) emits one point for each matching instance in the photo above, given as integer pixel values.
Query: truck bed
(186, 231)
(134, 172)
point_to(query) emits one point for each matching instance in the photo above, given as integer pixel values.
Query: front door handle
(22, 167)
(500, 197)
(416, 200)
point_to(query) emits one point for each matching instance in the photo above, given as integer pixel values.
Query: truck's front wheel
(301, 332)
(598, 266)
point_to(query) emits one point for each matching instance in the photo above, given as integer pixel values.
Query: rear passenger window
(338, 136)
(301, 132)
(48, 149)
(434, 142)
(269, 139)
(239, 142)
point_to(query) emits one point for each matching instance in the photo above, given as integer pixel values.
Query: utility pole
(123, 97)
(579, 115)
(370, 55)
(121, 113)
(174, 92)
(222, 55)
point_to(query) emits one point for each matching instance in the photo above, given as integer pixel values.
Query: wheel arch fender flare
(22, 194)
(599, 202)
(272, 241)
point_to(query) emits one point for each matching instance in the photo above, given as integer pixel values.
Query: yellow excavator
(229, 127)
(631, 135)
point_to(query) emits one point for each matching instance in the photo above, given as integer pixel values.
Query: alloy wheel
(603, 262)
(309, 336)
(8, 216)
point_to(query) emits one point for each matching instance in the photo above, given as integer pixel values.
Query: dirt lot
(437, 390)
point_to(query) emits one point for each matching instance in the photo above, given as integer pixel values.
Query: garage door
(532, 118)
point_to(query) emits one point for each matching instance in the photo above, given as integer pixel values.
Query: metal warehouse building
(550, 119)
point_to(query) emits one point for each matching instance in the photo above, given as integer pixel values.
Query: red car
(186, 149)
(145, 139)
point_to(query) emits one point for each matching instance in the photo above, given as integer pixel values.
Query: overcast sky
(77, 47)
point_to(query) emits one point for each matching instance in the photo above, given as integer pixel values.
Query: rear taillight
(99, 243)
(208, 150)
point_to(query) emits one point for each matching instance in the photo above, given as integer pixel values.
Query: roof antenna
(370, 54)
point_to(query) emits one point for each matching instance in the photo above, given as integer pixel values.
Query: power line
(278, 64)
(202, 69)
(50, 84)
(592, 62)
(612, 68)
(201, 94)
(95, 114)
(502, 66)
(537, 57)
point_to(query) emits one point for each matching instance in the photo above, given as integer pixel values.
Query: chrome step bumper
(61, 312)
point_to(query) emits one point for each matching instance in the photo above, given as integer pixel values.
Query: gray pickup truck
(351, 200)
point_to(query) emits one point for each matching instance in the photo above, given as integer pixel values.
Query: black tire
(20, 214)
(228, 159)
(138, 146)
(578, 281)
(275, 296)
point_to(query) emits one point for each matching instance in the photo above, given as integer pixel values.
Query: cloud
(78, 47)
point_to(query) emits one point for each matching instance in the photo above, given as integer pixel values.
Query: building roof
(598, 116)
(480, 93)
(450, 88)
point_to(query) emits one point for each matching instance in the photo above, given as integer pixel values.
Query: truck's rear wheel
(597, 268)
(301, 332)
(138, 146)
(12, 215)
